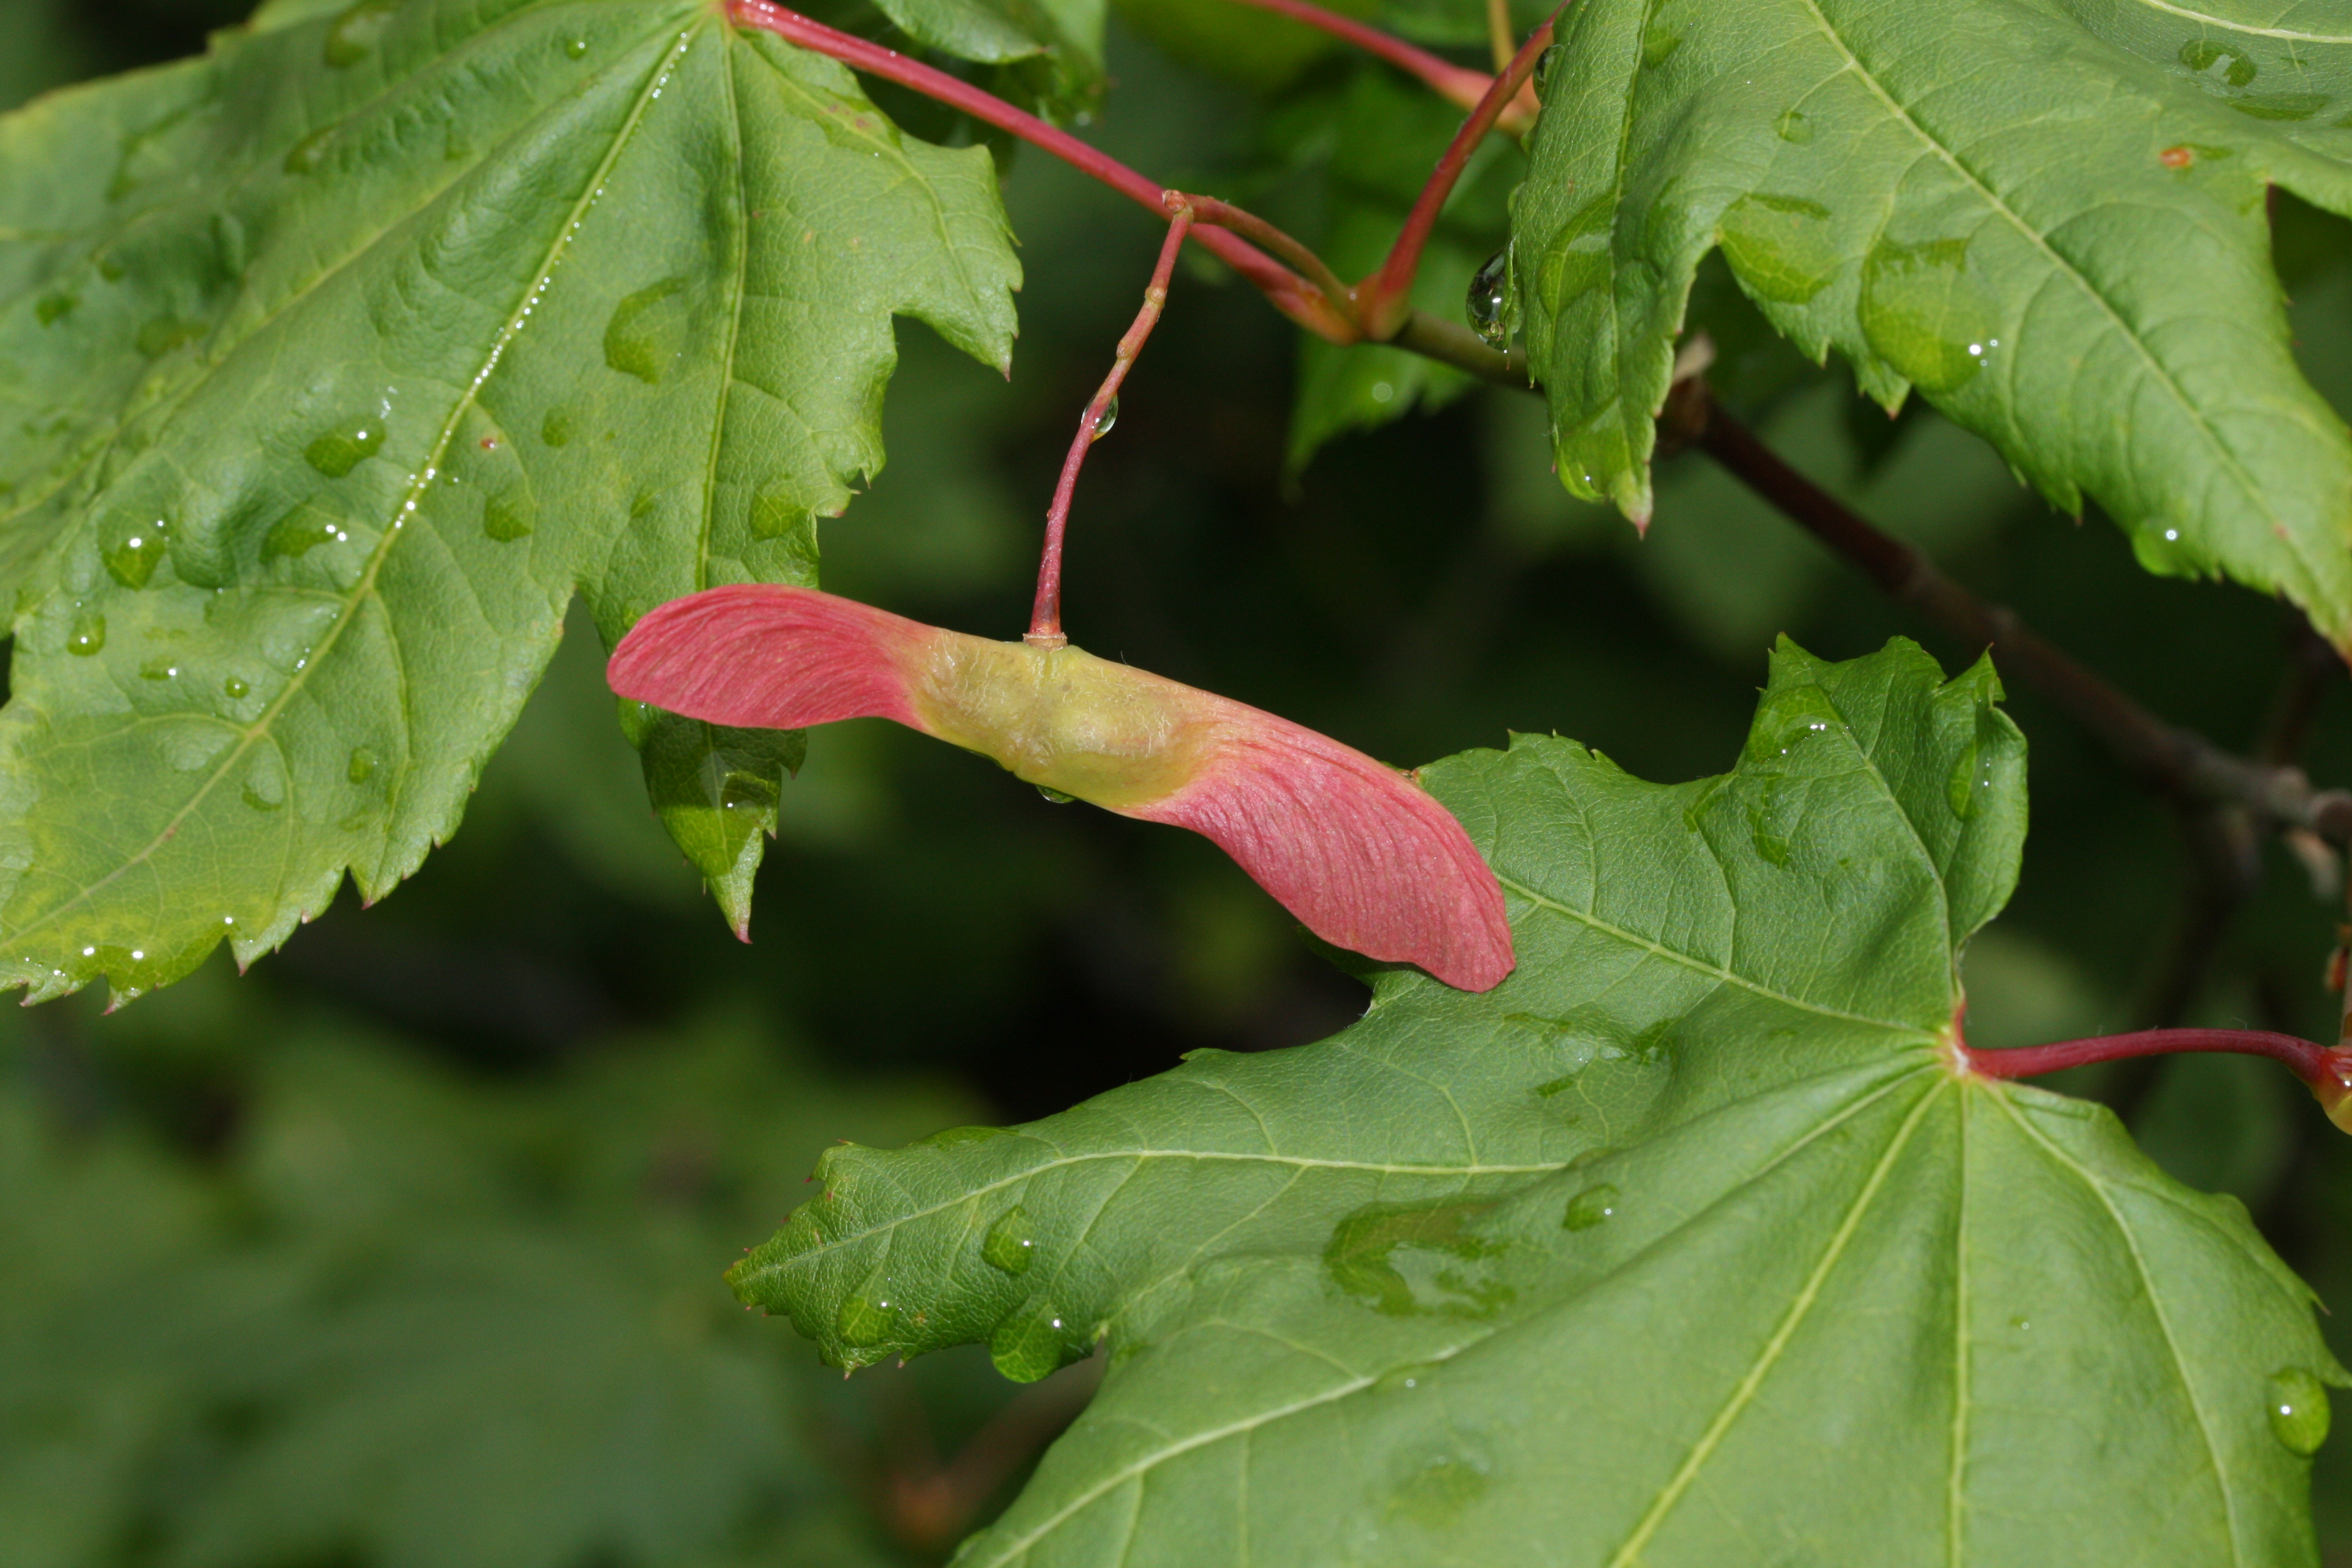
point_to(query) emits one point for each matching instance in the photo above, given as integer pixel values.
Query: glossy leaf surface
(374, 338)
(2046, 216)
(1688, 1232)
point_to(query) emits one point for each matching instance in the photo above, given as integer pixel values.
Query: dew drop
(1794, 126)
(88, 634)
(354, 35)
(1659, 44)
(576, 50)
(1545, 65)
(2299, 1413)
(1590, 1207)
(265, 786)
(1969, 775)
(1921, 307)
(304, 156)
(52, 309)
(863, 1320)
(363, 765)
(1029, 1343)
(775, 514)
(158, 335)
(235, 688)
(2219, 62)
(555, 430)
(1011, 1243)
(648, 331)
(1489, 297)
(343, 449)
(133, 562)
(1106, 418)
(297, 534)
(509, 515)
(158, 668)
(1055, 796)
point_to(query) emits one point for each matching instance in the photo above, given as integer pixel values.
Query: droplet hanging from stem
(1045, 618)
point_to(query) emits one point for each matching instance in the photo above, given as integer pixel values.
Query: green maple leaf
(2047, 216)
(1689, 1242)
(349, 356)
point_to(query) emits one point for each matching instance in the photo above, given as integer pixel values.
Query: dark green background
(290, 1234)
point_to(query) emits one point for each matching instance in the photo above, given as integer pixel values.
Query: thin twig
(1046, 619)
(2166, 760)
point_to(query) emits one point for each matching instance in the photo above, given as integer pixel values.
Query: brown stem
(1045, 618)
(2170, 762)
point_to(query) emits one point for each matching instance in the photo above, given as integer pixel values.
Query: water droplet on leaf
(1030, 1344)
(1795, 126)
(235, 688)
(2299, 1413)
(265, 786)
(133, 559)
(2219, 62)
(1487, 305)
(648, 331)
(1011, 1245)
(863, 1320)
(1106, 418)
(343, 449)
(304, 156)
(1545, 65)
(1056, 796)
(1960, 788)
(1921, 308)
(1590, 1207)
(87, 635)
(576, 50)
(50, 309)
(297, 534)
(556, 428)
(775, 514)
(508, 515)
(1782, 247)
(355, 32)
(363, 765)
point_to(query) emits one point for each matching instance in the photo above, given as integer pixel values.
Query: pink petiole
(2326, 1071)
(1045, 618)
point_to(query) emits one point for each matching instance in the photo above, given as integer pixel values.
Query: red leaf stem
(2326, 1071)
(1289, 293)
(1384, 299)
(1458, 85)
(1046, 617)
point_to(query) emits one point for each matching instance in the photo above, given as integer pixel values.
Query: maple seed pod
(1361, 855)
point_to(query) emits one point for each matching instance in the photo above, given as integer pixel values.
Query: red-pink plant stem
(1225, 214)
(1045, 618)
(2309, 1061)
(1458, 85)
(1384, 299)
(1290, 294)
